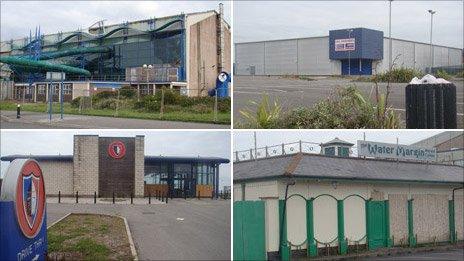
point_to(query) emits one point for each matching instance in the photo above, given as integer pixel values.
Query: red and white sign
(117, 149)
(343, 45)
(30, 199)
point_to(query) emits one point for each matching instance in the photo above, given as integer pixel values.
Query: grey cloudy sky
(18, 17)
(256, 21)
(166, 143)
(243, 140)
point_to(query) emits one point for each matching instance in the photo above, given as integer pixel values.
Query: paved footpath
(454, 254)
(180, 230)
(38, 120)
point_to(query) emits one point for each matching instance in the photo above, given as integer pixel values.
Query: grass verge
(89, 237)
(223, 117)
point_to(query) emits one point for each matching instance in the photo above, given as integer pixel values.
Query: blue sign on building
(23, 224)
(356, 48)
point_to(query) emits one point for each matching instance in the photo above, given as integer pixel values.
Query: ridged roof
(303, 165)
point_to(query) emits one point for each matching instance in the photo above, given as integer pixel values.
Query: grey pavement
(292, 93)
(37, 120)
(455, 254)
(180, 230)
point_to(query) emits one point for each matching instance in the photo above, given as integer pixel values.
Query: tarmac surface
(450, 255)
(180, 230)
(293, 93)
(37, 120)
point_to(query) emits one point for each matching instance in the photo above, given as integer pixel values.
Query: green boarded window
(329, 151)
(343, 151)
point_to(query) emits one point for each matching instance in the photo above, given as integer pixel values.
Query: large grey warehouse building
(357, 51)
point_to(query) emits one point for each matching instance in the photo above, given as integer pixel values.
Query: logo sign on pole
(343, 45)
(23, 225)
(395, 151)
(117, 149)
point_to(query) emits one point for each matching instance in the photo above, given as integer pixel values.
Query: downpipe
(290, 182)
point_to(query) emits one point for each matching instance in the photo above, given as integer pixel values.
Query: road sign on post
(23, 222)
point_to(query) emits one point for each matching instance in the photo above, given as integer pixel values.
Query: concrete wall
(427, 197)
(399, 218)
(202, 53)
(431, 217)
(85, 164)
(58, 176)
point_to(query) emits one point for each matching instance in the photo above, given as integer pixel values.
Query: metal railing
(281, 149)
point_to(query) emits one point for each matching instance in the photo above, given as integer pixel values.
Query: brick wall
(85, 164)
(139, 165)
(58, 176)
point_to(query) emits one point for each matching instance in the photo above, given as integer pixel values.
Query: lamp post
(431, 46)
(349, 52)
(390, 60)
(147, 69)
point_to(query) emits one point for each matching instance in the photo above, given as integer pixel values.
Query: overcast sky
(243, 140)
(18, 17)
(259, 20)
(166, 143)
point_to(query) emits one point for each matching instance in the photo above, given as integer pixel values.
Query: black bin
(431, 106)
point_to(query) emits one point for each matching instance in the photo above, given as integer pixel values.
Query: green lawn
(89, 237)
(223, 117)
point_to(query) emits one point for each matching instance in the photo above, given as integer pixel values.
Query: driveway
(37, 120)
(182, 229)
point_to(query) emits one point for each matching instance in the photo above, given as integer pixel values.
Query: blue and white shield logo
(30, 195)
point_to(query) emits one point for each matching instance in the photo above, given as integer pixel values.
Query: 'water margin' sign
(23, 224)
(394, 151)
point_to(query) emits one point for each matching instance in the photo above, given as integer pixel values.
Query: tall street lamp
(431, 46)
(390, 60)
(147, 69)
(349, 52)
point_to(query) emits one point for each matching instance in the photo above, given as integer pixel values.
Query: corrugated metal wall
(307, 56)
(310, 56)
(417, 55)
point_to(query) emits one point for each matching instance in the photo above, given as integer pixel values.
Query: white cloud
(18, 17)
(254, 21)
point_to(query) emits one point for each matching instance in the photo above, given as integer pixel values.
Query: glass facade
(181, 178)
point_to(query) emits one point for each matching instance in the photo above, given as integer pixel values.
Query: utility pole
(431, 46)
(390, 54)
(349, 53)
(256, 149)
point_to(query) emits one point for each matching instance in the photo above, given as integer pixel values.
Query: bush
(224, 105)
(201, 108)
(265, 116)
(443, 74)
(106, 104)
(151, 103)
(347, 108)
(127, 92)
(76, 102)
(400, 75)
(105, 95)
(460, 74)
